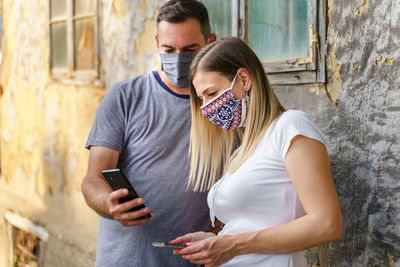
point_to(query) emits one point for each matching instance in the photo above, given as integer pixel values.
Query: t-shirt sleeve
(108, 128)
(291, 124)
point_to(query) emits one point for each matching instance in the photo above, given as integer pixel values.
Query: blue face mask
(176, 67)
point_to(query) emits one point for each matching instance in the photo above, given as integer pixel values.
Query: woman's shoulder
(294, 122)
(296, 118)
(292, 116)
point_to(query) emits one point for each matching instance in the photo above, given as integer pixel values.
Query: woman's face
(209, 84)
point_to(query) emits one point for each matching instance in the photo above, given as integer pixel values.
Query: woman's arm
(307, 163)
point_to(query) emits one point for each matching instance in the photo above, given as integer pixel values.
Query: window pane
(220, 17)
(58, 8)
(279, 28)
(83, 7)
(59, 45)
(84, 44)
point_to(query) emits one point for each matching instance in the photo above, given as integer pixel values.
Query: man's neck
(173, 88)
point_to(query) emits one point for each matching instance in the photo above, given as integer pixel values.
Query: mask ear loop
(246, 89)
(245, 103)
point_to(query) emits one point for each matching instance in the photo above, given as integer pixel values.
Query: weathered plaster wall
(362, 124)
(364, 36)
(128, 38)
(44, 124)
(43, 129)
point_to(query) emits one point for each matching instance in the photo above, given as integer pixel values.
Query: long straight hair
(211, 147)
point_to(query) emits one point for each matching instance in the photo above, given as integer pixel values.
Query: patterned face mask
(225, 110)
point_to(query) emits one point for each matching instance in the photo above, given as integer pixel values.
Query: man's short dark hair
(176, 11)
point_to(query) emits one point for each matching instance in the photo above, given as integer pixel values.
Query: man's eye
(190, 51)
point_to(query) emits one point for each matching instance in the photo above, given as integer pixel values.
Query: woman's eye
(212, 94)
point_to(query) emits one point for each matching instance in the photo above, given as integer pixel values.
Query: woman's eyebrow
(206, 90)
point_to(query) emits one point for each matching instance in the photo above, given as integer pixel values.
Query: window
(74, 42)
(26, 250)
(285, 34)
(25, 239)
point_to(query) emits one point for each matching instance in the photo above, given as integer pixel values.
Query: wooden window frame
(71, 75)
(302, 70)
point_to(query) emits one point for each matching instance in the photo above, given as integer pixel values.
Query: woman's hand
(212, 251)
(189, 238)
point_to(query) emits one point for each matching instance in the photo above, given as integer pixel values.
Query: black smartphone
(167, 245)
(117, 180)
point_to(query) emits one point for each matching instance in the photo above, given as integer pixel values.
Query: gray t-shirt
(149, 125)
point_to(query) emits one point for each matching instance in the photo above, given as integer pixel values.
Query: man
(142, 127)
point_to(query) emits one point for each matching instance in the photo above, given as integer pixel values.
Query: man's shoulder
(136, 81)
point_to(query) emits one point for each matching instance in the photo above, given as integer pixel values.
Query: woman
(276, 197)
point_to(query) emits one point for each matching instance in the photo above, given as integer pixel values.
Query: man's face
(182, 37)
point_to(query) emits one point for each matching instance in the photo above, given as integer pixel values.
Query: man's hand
(120, 211)
(99, 196)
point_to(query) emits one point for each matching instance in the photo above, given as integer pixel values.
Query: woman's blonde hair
(211, 147)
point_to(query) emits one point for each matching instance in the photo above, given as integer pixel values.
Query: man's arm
(94, 188)
(98, 194)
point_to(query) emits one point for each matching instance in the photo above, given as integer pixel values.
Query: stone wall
(364, 39)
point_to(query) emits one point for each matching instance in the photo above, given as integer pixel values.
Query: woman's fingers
(191, 237)
(181, 239)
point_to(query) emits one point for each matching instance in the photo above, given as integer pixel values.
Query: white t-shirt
(260, 194)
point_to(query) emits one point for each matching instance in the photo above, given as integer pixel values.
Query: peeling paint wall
(368, 165)
(44, 124)
(43, 129)
(128, 38)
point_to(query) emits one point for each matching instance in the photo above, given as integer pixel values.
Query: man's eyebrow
(184, 48)
(167, 46)
(190, 46)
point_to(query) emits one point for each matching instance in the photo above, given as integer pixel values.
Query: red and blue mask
(225, 110)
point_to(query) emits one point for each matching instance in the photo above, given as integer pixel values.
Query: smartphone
(167, 245)
(117, 180)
